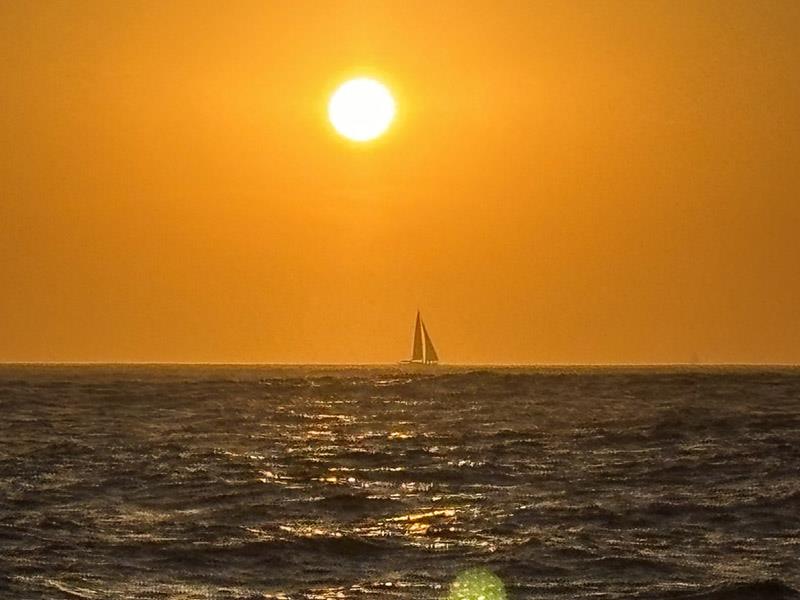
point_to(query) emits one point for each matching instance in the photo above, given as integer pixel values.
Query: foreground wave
(755, 590)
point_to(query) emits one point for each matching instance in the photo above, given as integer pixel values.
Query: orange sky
(565, 182)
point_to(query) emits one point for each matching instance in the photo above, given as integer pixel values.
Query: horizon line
(396, 364)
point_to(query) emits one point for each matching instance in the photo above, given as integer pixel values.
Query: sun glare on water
(361, 109)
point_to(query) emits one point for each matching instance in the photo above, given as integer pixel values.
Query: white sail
(417, 350)
(430, 351)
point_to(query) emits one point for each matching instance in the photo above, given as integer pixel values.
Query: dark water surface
(261, 482)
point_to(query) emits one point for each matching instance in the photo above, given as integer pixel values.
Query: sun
(361, 109)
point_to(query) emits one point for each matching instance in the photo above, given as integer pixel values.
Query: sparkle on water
(477, 584)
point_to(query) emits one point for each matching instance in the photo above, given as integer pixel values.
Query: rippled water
(256, 482)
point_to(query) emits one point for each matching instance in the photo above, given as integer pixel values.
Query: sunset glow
(289, 182)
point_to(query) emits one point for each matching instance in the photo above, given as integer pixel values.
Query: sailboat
(422, 352)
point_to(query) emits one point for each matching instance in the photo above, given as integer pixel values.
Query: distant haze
(564, 182)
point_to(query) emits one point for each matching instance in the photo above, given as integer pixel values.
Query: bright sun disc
(361, 109)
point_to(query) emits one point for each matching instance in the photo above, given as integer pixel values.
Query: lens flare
(477, 584)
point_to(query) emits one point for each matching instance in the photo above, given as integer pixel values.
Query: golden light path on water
(429, 528)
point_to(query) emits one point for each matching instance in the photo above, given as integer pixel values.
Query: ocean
(190, 482)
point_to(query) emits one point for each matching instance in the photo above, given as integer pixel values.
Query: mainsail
(423, 350)
(417, 351)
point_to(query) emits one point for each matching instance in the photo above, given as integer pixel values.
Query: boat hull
(419, 363)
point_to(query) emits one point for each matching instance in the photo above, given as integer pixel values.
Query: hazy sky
(565, 182)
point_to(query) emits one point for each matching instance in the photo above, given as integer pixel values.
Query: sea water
(251, 482)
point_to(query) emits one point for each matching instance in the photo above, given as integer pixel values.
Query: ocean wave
(357, 503)
(291, 482)
(771, 589)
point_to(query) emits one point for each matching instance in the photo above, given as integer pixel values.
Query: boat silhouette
(422, 350)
